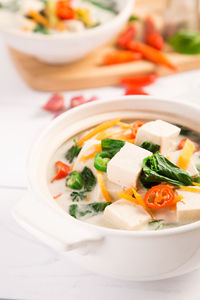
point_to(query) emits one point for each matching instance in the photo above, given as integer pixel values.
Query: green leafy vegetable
(111, 146)
(103, 5)
(73, 152)
(90, 209)
(133, 19)
(151, 147)
(89, 179)
(157, 169)
(78, 196)
(197, 179)
(186, 42)
(40, 29)
(157, 224)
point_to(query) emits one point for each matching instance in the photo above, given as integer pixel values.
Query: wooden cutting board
(88, 72)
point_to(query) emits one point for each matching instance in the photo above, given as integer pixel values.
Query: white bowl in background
(130, 255)
(66, 48)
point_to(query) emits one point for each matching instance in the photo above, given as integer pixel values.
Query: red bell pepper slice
(142, 80)
(135, 90)
(62, 170)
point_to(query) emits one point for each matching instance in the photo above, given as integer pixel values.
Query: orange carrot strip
(98, 129)
(104, 191)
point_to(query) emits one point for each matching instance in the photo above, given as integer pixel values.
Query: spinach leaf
(73, 209)
(150, 147)
(90, 209)
(157, 169)
(103, 5)
(73, 152)
(89, 179)
(186, 42)
(111, 147)
(40, 29)
(78, 196)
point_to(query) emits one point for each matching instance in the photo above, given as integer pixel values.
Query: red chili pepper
(64, 10)
(126, 36)
(139, 80)
(55, 103)
(151, 36)
(135, 90)
(181, 143)
(151, 54)
(134, 128)
(62, 170)
(77, 100)
(121, 56)
(159, 196)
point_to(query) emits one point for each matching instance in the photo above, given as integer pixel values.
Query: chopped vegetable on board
(126, 36)
(151, 36)
(120, 57)
(186, 42)
(55, 103)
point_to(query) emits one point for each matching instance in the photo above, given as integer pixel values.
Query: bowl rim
(73, 35)
(112, 231)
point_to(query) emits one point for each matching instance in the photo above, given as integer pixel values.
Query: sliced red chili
(135, 90)
(62, 170)
(55, 103)
(159, 196)
(134, 128)
(181, 143)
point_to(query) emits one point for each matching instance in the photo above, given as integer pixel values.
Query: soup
(50, 17)
(142, 175)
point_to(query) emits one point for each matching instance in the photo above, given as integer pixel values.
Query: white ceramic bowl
(65, 48)
(127, 255)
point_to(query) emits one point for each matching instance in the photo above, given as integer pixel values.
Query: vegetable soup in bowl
(109, 184)
(60, 31)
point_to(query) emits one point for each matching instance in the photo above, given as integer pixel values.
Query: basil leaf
(91, 209)
(89, 179)
(186, 42)
(150, 147)
(111, 146)
(73, 152)
(157, 169)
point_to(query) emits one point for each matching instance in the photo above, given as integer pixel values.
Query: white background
(30, 270)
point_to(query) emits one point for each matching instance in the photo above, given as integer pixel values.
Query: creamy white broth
(167, 216)
(14, 16)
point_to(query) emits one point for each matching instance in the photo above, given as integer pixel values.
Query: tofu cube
(192, 170)
(126, 215)
(188, 209)
(158, 132)
(86, 150)
(125, 167)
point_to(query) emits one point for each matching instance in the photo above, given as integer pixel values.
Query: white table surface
(30, 270)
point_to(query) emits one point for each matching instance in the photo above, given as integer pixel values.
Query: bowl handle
(51, 227)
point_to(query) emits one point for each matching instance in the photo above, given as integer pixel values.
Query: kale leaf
(157, 169)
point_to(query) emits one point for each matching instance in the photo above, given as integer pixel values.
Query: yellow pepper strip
(93, 151)
(84, 16)
(186, 154)
(128, 197)
(107, 133)
(96, 130)
(197, 184)
(104, 191)
(38, 18)
(190, 189)
(124, 125)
